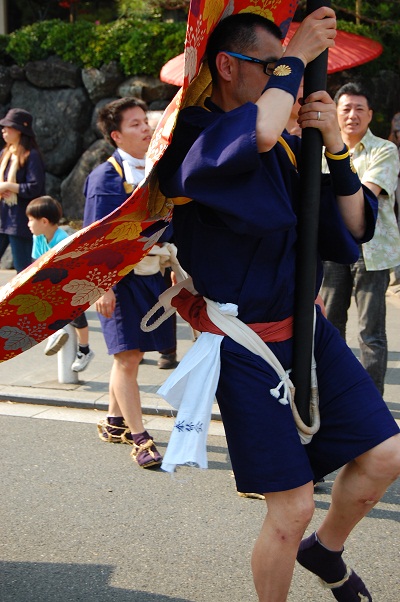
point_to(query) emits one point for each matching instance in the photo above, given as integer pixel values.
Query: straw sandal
(144, 453)
(112, 433)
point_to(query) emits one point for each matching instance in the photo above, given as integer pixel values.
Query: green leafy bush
(70, 41)
(150, 45)
(25, 44)
(138, 46)
(108, 42)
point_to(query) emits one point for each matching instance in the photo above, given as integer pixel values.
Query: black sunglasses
(268, 68)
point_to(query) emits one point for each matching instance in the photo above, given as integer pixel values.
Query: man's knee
(304, 511)
(292, 510)
(128, 360)
(383, 461)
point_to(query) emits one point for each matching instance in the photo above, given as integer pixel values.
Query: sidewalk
(31, 377)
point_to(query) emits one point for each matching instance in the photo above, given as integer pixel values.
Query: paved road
(80, 521)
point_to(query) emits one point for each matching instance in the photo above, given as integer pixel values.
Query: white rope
(245, 336)
(164, 303)
(242, 334)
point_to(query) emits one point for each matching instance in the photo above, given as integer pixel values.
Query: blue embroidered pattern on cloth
(183, 426)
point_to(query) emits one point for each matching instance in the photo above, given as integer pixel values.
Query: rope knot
(282, 383)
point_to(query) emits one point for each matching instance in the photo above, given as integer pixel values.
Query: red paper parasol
(351, 50)
(172, 72)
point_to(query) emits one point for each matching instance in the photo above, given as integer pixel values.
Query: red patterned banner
(68, 279)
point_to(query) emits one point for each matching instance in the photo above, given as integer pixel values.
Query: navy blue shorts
(135, 296)
(264, 446)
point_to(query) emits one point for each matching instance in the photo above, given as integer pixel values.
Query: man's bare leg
(274, 554)
(124, 389)
(357, 488)
(125, 399)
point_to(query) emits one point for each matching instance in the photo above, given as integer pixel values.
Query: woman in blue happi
(235, 173)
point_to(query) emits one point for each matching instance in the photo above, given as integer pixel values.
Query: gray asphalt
(80, 521)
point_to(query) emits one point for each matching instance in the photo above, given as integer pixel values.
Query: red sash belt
(193, 309)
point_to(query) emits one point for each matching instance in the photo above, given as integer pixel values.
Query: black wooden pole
(310, 179)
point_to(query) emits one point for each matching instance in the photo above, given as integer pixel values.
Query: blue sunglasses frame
(268, 67)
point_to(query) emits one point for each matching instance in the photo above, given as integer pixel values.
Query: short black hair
(45, 206)
(237, 33)
(354, 89)
(110, 116)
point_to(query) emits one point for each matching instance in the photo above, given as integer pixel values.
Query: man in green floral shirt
(377, 163)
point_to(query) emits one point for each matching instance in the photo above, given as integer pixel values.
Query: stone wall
(64, 101)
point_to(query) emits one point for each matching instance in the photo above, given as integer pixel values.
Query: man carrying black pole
(234, 172)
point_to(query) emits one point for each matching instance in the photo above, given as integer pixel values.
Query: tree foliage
(27, 12)
(129, 8)
(383, 15)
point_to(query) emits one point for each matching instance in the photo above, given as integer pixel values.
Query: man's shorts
(264, 445)
(135, 296)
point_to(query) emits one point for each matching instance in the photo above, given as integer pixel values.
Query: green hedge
(138, 45)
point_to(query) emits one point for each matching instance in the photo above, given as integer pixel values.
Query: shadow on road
(33, 582)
